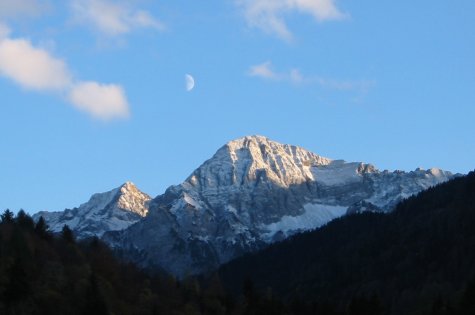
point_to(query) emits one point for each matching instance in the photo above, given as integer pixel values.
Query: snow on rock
(110, 211)
(248, 159)
(314, 216)
(389, 188)
(133, 200)
(337, 173)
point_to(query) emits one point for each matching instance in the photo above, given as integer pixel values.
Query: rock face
(252, 192)
(110, 211)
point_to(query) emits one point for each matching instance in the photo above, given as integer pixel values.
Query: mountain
(415, 260)
(254, 192)
(110, 211)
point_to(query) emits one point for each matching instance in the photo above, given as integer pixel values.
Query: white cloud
(268, 15)
(104, 101)
(15, 8)
(35, 68)
(320, 9)
(32, 67)
(294, 76)
(345, 85)
(112, 17)
(144, 19)
(263, 70)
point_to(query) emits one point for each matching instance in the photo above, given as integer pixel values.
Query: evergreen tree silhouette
(7, 216)
(67, 234)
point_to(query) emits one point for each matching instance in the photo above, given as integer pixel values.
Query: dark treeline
(41, 273)
(420, 259)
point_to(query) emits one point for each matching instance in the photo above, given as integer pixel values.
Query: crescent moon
(190, 82)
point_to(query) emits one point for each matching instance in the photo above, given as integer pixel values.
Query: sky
(93, 92)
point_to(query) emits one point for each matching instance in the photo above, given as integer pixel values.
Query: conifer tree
(7, 216)
(24, 220)
(41, 229)
(67, 234)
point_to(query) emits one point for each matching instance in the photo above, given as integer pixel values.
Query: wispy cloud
(345, 85)
(112, 17)
(296, 77)
(36, 69)
(265, 71)
(16, 8)
(268, 15)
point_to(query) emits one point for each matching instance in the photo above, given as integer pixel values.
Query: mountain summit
(108, 211)
(253, 192)
(252, 159)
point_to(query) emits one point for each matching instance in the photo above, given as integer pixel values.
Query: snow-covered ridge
(109, 211)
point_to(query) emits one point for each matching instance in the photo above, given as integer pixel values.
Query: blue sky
(92, 92)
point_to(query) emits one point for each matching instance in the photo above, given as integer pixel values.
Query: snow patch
(315, 215)
(337, 173)
(189, 200)
(231, 209)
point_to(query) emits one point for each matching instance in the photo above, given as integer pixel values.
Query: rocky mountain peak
(256, 158)
(132, 199)
(108, 211)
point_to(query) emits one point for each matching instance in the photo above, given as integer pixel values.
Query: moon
(190, 82)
